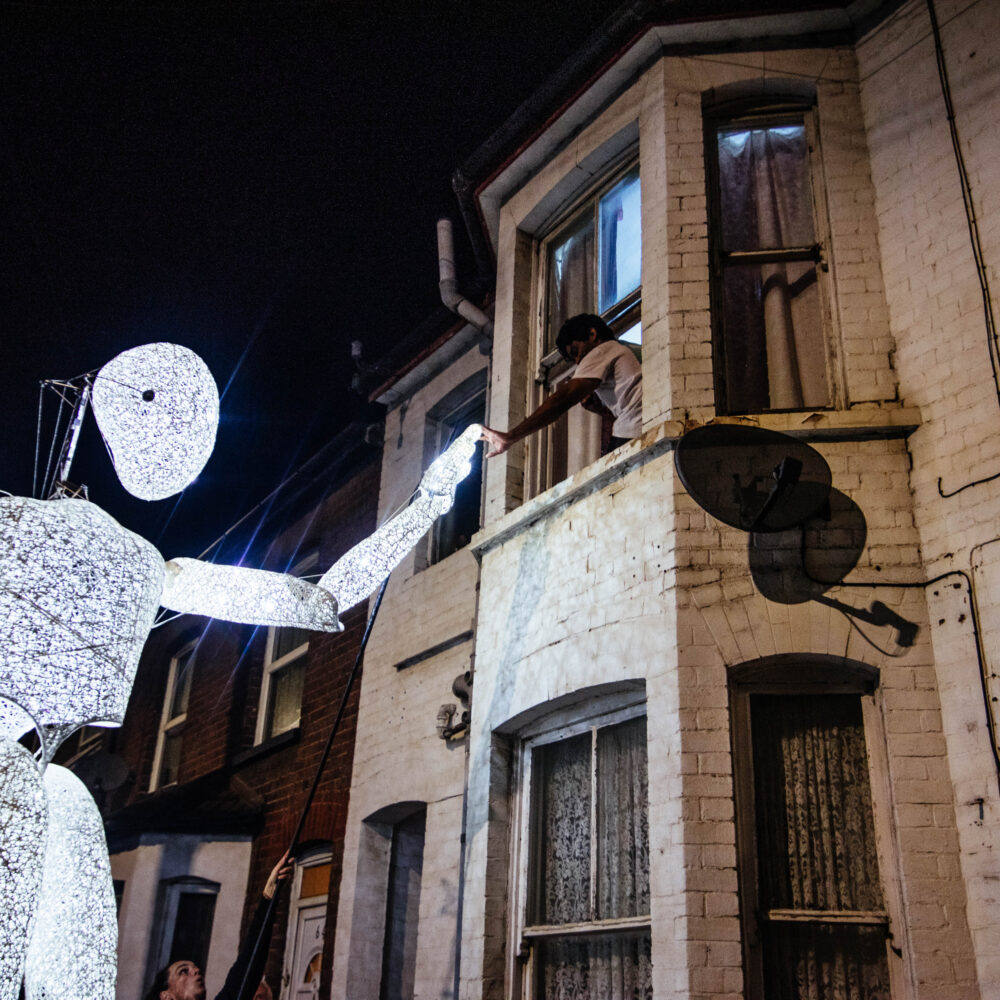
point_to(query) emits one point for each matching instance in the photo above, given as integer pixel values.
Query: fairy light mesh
(356, 574)
(158, 409)
(250, 596)
(78, 595)
(72, 953)
(23, 815)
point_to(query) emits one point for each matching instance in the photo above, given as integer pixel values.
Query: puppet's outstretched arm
(251, 596)
(259, 597)
(358, 572)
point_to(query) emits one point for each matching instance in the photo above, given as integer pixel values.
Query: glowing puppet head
(158, 409)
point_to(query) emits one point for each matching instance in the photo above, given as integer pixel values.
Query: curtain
(604, 967)
(622, 821)
(564, 831)
(773, 319)
(571, 277)
(816, 848)
(607, 966)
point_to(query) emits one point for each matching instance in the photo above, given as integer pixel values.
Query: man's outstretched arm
(567, 395)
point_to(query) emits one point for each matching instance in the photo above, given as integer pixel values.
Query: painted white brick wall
(398, 755)
(627, 579)
(635, 581)
(937, 319)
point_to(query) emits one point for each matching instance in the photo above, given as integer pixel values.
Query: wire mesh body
(78, 595)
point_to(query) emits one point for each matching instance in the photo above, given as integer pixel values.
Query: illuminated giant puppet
(78, 596)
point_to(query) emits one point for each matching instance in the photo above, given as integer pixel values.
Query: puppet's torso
(78, 595)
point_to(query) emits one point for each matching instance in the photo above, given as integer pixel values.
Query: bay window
(590, 263)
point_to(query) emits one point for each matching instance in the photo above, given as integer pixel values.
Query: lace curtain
(816, 849)
(775, 354)
(592, 782)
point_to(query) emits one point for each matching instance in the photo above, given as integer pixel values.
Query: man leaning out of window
(604, 367)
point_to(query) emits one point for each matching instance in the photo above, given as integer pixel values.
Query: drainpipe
(450, 295)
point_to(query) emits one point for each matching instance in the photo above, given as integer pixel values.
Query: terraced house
(623, 736)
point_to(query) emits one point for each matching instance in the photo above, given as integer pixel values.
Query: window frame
(173, 889)
(171, 725)
(554, 728)
(807, 675)
(272, 667)
(769, 112)
(544, 451)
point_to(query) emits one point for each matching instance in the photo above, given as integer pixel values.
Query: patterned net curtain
(591, 863)
(823, 923)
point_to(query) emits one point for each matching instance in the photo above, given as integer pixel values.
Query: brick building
(203, 785)
(700, 761)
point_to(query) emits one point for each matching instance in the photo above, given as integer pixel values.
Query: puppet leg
(73, 949)
(23, 817)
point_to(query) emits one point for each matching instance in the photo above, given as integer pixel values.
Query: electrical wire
(38, 440)
(246, 989)
(992, 723)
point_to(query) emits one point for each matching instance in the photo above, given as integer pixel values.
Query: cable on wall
(973, 223)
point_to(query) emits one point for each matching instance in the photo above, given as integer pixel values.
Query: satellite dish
(101, 771)
(752, 478)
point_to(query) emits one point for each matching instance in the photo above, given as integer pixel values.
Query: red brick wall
(222, 709)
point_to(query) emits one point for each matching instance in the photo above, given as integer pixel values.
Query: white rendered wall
(143, 869)
(398, 755)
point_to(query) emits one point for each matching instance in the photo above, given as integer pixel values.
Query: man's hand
(498, 441)
(282, 870)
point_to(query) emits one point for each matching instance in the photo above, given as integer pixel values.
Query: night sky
(257, 181)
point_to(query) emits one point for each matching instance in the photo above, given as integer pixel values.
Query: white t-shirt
(621, 384)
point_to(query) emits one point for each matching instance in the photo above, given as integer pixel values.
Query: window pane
(315, 881)
(622, 821)
(562, 845)
(816, 834)
(571, 275)
(286, 640)
(286, 697)
(182, 683)
(633, 335)
(620, 247)
(775, 349)
(612, 967)
(839, 962)
(171, 758)
(193, 928)
(765, 194)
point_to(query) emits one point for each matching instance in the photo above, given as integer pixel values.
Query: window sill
(268, 747)
(862, 423)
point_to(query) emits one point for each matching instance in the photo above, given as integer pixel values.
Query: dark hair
(578, 328)
(160, 982)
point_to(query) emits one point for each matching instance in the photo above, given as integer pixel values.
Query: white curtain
(608, 966)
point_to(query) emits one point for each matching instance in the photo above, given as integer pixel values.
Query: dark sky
(256, 181)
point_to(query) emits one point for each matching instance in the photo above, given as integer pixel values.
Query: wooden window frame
(170, 725)
(522, 972)
(762, 112)
(273, 666)
(548, 365)
(790, 674)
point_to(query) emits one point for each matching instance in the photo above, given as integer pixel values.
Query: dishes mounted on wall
(751, 478)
